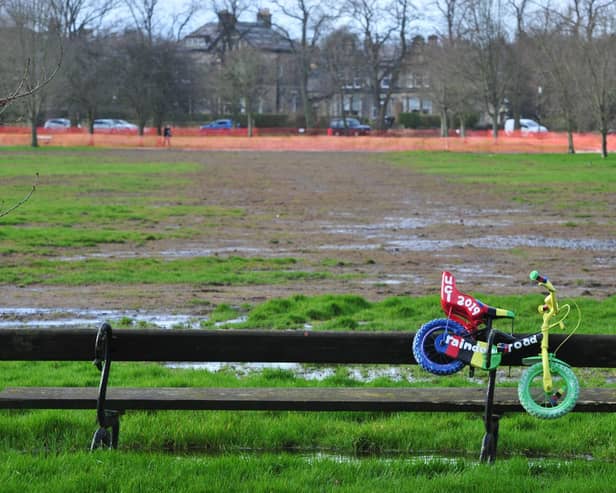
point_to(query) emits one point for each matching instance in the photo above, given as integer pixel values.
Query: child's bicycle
(547, 389)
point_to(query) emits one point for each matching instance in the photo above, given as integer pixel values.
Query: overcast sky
(206, 14)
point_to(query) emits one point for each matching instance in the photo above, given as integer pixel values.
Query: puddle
(197, 251)
(74, 318)
(357, 373)
(416, 243)
(395, 280)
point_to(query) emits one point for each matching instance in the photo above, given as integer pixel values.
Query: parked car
(220, 123)
(124, 125)
(349, 126)
(57, 123)
(113, 125)
(526, 126)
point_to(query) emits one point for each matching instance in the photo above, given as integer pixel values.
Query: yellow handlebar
(550, 306)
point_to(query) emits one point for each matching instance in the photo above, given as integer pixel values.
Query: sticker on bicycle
(520, 343)
(469, 351)
(458, 304)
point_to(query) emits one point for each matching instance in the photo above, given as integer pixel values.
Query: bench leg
(108, 420)
(108, 433)
(491, 421)
(490, 441)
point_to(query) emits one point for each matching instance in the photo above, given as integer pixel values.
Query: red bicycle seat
(466, 309)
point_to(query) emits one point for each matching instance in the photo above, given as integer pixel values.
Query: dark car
(221, 123)
(349, 126)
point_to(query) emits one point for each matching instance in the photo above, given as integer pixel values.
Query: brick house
(211, 42)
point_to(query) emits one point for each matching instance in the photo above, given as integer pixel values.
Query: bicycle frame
(549, 310)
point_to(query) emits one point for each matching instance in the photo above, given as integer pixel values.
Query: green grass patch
(133, 472)
(84, 199)
(349, 312)
(517, 169)
(564, 179)
(194, 270)
(376, 447)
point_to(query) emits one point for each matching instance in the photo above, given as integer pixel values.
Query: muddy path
(384, 230)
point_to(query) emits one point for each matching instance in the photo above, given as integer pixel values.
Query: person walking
(167, 136)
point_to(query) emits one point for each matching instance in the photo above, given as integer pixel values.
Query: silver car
(57, 123)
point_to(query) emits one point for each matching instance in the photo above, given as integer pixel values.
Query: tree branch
(22, 201)
(20, 92)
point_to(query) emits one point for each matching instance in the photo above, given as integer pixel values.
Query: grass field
(91, 201)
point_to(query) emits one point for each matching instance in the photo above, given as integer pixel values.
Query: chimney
(226, 19)
(264, 17)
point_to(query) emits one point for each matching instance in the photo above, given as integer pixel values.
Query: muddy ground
(393, 228)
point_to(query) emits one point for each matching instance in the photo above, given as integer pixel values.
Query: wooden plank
(288, 399)
(264, 346)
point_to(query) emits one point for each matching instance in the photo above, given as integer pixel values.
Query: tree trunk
(603, 142)
(34, 140)
(444, 123)
(309, 120)
(462, 126)
(570, 145)
(250, 124)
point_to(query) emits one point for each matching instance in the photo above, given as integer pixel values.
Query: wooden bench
(391, 348)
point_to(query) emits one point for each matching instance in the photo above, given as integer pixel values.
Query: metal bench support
(490, 420)
(108, 419)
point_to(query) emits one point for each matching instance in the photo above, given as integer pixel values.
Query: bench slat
(297, 346)
(287, 399)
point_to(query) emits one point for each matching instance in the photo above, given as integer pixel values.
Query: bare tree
(173, 76)
(519, 61)
(89, 75)
(557, 57)
(79, 16)
(37, 46)
(311, 19)
(246, 79)
(593, 23)
(342, 61)
(448, 90)
(23, 89)
(149, 19)
(487, 69)
(384, 29)
(149, 65)
(446, 57)
(453, 15)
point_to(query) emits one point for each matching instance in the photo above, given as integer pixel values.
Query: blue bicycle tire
(424, 346)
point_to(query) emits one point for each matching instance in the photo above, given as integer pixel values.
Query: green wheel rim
(554, 404)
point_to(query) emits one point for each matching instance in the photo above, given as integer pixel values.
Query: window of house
(351, 104)
(294, 99)
(426, 106)
(353, 84)
(414, 104)
(409, 80)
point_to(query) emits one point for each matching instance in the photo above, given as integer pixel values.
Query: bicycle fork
(545, 361)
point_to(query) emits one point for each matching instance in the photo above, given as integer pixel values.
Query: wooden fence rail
(593, 351)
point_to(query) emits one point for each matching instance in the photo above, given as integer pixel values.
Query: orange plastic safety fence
(238, 140)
